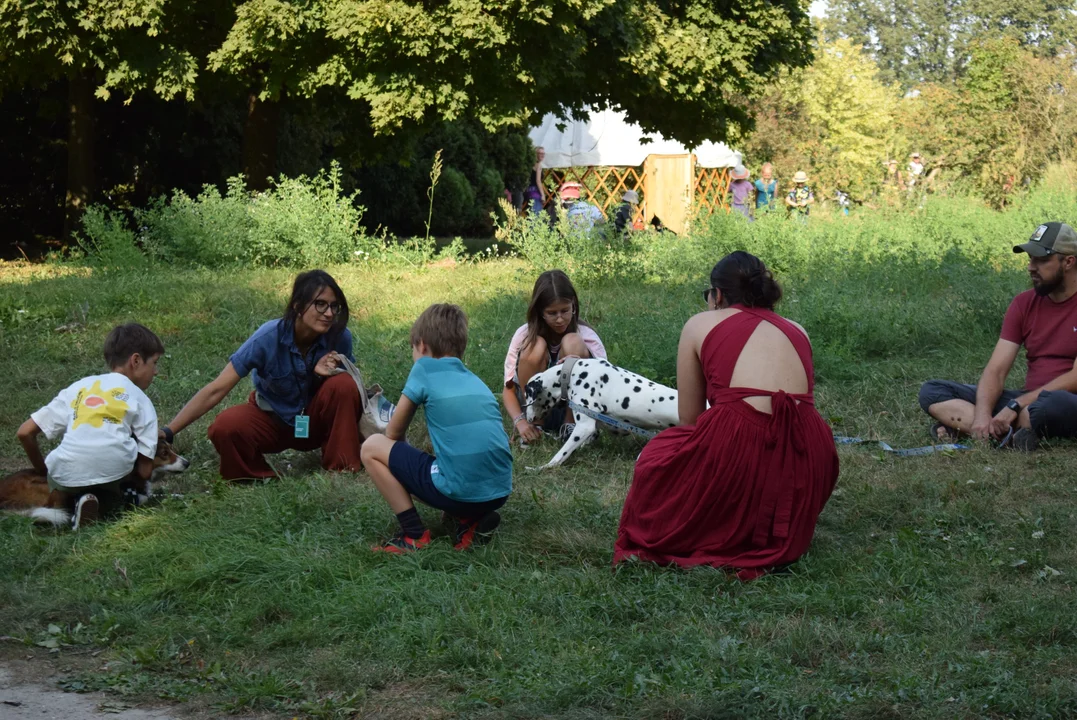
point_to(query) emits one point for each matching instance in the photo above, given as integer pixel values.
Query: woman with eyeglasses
(296, 403)
(553, 332)
(740, 483)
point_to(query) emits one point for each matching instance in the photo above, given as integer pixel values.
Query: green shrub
(299, 221)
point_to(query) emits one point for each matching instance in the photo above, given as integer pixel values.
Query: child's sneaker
(86, 511)
(401, 543)
(476, 532)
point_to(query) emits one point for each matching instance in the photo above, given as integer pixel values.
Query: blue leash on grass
(839, 439)
(907, 452)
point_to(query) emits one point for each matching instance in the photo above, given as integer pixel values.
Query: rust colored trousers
(244, 434)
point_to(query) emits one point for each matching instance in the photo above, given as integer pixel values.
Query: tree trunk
(80, 150)
(260, 142)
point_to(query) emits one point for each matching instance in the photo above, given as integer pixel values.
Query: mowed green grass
(936, 587)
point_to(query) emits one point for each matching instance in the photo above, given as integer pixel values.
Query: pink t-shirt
(1048, 330)
(590, 339)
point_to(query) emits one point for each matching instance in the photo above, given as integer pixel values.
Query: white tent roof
(609, 139)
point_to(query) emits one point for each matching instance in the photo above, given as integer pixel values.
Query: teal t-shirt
(474, 463)
(764, 192)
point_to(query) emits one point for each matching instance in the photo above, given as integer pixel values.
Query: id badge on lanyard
(302, 426)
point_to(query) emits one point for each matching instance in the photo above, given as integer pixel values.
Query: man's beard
(1045, 288)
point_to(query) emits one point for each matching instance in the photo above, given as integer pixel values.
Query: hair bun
(745, 280)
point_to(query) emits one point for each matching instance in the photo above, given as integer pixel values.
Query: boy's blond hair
(443, 329)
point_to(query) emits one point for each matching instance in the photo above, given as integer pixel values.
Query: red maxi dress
(741, 488)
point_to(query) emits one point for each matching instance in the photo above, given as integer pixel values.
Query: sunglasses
(321, 306)
(707, 295)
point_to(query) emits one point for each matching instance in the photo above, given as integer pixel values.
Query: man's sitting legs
(954, 404)
(1053, 414)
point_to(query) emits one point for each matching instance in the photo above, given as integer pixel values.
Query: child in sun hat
(740, 189)
(800, 197)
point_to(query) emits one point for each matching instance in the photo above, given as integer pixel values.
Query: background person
(765, 188)
(535, 194)
(739, 484)
(740, 191)
(295, 403)
(582, 215)
(1044, 320)
(626, 211)
(800, 197)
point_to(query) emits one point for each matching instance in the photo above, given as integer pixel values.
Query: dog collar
(566, 376)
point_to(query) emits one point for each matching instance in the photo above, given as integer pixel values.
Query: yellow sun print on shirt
(96, 406)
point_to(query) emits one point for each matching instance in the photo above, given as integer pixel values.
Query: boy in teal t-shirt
(471, 475)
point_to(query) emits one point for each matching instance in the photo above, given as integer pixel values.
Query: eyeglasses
(550, 315)
(321, 306)
(707, 294)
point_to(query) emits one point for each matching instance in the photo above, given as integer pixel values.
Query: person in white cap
(1044, 321)
(916, 169)
(622, 221)
(800, 197)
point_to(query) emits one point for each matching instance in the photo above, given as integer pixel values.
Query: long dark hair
(305, 288)
(552, 286)
(745, 280)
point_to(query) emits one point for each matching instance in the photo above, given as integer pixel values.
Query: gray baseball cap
(1052, 237)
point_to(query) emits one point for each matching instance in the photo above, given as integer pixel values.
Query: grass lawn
(936, 587)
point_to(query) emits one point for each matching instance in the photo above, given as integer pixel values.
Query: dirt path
(20, 700)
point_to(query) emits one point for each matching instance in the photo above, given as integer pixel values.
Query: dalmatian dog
(604, 388)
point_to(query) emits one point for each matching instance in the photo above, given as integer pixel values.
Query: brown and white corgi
(27, 492)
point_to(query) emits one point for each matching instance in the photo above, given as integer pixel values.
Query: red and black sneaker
(401, 543)
(476, 532)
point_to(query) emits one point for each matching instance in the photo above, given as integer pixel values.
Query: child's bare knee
(373, 448)
(573, 344)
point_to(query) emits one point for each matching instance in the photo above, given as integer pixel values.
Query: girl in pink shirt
(554, 332)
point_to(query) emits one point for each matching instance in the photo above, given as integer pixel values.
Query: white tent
(608, 139)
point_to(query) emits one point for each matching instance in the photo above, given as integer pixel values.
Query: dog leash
(907, 452)
(619, 424)
(838, 439)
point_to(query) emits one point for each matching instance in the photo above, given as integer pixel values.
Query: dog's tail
(54, 516)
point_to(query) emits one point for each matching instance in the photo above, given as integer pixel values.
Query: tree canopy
(931, 40)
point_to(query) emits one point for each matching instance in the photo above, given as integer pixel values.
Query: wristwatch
(1015, 406)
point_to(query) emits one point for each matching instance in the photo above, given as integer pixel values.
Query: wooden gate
(668, 181)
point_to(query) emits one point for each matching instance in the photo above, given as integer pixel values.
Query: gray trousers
(1054, 414)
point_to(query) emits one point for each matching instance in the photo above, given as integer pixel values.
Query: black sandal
(951, 434)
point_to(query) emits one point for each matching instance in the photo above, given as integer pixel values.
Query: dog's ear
(533, 388)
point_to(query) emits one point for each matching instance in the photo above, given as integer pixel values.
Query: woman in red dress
(740, 484)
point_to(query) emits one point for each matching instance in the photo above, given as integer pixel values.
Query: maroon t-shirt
(1048, 330)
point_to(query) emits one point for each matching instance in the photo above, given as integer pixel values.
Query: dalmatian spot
(584, 401)
(583, 374)
(575, 438)
(661, 399)
(652, 401)
(624, 404)
(605, 379)
(637, 389)
(586, 385)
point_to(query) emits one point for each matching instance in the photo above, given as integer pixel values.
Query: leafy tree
(97, 47)
(930, 40)
(1007, 117)
(685, 69)
(834, 120)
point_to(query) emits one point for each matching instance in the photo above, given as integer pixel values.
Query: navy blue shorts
(411, 468)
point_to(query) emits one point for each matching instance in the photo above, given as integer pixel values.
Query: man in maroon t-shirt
(1044, 320)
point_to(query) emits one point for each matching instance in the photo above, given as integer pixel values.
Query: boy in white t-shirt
(109, 426)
